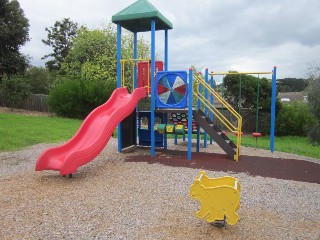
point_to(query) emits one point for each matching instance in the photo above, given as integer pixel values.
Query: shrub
(15, 89)
(77, 98)
(314, 134)
(38, 79)
(294, 119)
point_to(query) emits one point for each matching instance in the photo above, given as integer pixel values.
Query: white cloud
(221, 34)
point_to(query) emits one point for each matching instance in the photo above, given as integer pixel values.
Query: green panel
(179, 129)
(161, 128)
(138, 16)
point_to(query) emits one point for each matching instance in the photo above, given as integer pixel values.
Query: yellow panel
(170, 128)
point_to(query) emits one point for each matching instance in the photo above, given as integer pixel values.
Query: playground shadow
(280, 168)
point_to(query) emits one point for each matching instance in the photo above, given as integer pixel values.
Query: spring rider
(219, 198)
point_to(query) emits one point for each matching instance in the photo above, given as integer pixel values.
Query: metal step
(218, 136)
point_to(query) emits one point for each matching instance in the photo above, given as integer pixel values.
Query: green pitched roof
(137, 17)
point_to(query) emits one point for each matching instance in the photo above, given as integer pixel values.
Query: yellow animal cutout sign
(219, 198)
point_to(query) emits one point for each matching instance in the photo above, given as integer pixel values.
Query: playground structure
(176, 92)
(170, 91)
(183, 92)
(219, 198)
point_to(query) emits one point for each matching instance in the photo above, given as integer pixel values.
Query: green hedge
(77, 98)
(314, 134)
(294, 119)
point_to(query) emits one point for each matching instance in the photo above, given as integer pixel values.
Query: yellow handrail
(217, 96)
(134, 63)
(232, 128)
(237, 73)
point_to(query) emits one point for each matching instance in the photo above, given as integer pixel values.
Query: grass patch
(19, 131)
(288, 144)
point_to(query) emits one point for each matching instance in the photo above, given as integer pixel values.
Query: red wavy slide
(93, 134)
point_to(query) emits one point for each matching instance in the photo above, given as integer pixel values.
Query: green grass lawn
(19, 131)
(289, 144)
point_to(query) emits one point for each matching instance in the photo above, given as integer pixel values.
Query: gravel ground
(110, 198)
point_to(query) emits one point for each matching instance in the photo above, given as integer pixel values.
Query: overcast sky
(223, 35)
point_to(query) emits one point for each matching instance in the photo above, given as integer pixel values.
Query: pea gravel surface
(110, 198)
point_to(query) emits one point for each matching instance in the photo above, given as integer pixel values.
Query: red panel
(144, 73)
(181, 89)
(162, 89)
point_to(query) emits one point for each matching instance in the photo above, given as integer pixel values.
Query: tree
(314, 90)
(60, 37)
(14, 33)
(294, 119)
(249, 86)
(38, 78)
(88, 75)
(292, 84)
(93, 56)
(314, 102)
(15, 89)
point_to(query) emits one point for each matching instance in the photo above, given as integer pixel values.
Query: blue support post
(190, 113)
(273, 108)
(212, 84)
(153, 54)
(198, 128)
(135, 74)
(206, 77)
(165, 138)
(166, 49)
(175, 139)
(119, 79)
(135, 56)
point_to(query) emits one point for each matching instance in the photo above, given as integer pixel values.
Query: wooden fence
(36, 102)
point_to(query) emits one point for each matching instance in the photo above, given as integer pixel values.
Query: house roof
(292, 96)
(138, 16)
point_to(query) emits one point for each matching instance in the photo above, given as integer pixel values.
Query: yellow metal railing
(236, 73)
(126, 64)
(234, 128)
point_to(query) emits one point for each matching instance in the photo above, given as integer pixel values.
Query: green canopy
(137, 17)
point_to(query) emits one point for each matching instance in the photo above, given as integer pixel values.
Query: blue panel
(171, 89)
(145, 134)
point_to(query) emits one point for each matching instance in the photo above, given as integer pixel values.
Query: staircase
(202, 90)
(216, 133)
